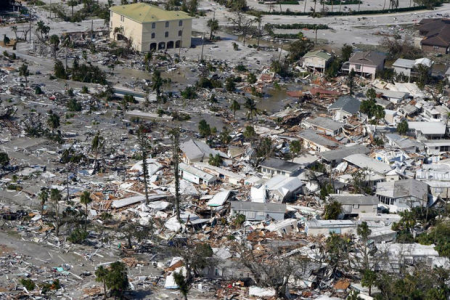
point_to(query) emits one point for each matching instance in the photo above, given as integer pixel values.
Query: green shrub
(28, 284)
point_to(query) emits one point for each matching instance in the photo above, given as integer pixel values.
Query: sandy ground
(345, 29)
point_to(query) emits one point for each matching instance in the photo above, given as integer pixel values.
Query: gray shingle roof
(312, 136)
(325, 123)
(372, 58)
(280, 164)
(340, 153)
(354, 199)
(347, 103)
(410, 187)
(196, 150)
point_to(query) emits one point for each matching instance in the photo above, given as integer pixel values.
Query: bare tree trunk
(145, 174)
(176, 163)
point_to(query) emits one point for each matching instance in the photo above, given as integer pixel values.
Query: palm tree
(55, 196)
(234, 107)
(42, 29)
(147, 60)
(251, 106)
(97, 144)
(53, 121)
(213, 25)
(258, 19)
(43, 196)
(85, 199)
(72, 3)
(54, 40)
(24, 72)
(157, 83)
(101, 273)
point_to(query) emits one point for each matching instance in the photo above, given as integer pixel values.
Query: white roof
(428, 127)
(396, 250)
(363, 161)
(197, 172)
(329, 223)
(283, 184)
(219, 198)
(424, 61)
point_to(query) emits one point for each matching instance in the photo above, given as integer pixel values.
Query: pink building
(365, 63)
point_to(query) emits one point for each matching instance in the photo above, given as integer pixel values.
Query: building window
(167, 34)
(122, 18)
(167, 24)
(153, 35)
(180, 23)
(355, 205)
(180, 33)
(358, 67)
(153, 25)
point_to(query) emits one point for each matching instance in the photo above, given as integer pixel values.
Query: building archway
(170, 45)
(153, 46)
(161, 46)
(178, 44)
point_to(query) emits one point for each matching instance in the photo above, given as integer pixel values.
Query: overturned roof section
(146, 13)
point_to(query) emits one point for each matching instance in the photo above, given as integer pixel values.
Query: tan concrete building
(150, 27)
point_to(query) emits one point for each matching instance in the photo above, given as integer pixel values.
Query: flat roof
(255, 206)
(363, 161)
(404, 63)
(325, 123)
(349, 199)
(146, 13)
(343, 152)
(280, 164)
(428, 127)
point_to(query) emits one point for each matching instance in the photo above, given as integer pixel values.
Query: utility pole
(203, 45)
(316, 35)
(92, 30)
(281, 49)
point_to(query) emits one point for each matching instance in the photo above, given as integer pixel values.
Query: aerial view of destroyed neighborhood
(225, 149)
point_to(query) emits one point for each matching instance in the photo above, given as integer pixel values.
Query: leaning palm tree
(85, 199)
